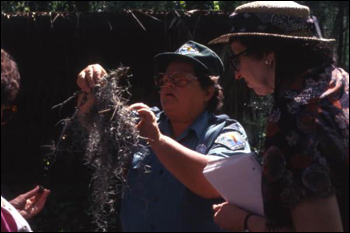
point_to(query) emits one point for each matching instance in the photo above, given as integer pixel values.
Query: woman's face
(259, 74)
(186, 101)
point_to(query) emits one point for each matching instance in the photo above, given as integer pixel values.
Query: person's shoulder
(230, 124)
(231, 135)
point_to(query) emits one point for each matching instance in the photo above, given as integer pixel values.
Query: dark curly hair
(10, 78)
(217, 101)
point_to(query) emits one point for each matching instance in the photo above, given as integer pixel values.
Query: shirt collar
(197, 126)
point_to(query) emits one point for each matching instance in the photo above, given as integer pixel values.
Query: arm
(185, 164)
(318, 215)
(231, 218)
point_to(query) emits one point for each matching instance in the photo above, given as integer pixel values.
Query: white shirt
(22, 224)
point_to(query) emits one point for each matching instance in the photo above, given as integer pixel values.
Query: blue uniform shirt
(156, 201)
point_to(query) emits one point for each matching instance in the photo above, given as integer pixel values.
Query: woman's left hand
(30, 203)
(229, 217)
(148, 125)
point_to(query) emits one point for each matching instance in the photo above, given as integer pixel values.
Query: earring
(267, 62)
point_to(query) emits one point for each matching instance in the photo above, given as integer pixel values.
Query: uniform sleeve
(231, 141)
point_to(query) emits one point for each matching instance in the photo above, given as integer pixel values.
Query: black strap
(246, 227)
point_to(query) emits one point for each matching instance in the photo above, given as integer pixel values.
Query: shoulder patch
(232, 140)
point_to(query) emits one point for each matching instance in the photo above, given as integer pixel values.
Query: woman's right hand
(31, 203)
(229, 217)
(89, 77)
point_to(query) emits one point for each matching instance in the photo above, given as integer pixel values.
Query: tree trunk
(340, 26)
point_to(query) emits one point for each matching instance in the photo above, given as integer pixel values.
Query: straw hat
(282, 19)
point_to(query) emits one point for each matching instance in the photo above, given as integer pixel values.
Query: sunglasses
(8, 113)
(178, 79)
(235, 63)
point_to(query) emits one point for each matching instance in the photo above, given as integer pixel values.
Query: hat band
(274, 24)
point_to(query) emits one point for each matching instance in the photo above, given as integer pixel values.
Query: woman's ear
(209, 93)
(270, 58)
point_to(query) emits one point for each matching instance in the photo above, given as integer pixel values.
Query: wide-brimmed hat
(281, 19)
(195, 53)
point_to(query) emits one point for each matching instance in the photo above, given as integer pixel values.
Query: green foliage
(14, 6)
(96, 6)
(229, 6)
(206, 5)
(92, 6)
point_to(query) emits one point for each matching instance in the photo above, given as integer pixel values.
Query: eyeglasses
(178, 79)
(235, 60)
(8, 113)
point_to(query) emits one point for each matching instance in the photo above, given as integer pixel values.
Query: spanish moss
(109, 135)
